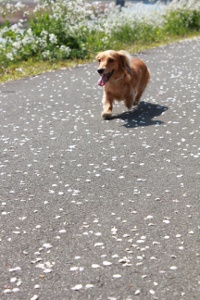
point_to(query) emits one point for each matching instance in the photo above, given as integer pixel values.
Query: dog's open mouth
(104, 78)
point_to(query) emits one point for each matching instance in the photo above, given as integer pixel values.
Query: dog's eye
(99, 60)
(110, 60)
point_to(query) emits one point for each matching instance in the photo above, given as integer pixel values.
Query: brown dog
(124, 79)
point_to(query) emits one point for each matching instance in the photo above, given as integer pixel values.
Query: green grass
(133, 36)
(32, 67)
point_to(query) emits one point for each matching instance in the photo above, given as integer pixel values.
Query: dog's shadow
(143, 115)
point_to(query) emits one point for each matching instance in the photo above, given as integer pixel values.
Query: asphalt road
(102, 209)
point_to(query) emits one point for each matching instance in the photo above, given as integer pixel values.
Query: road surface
(102, 209)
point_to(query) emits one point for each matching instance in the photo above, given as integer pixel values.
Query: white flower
(10, 56)
(19, 5)
(53, 38)
(65, 50)
(17, 45)
(46, 54)
(44, 33)
(29, 32)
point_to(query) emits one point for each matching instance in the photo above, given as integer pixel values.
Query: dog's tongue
(102, 80)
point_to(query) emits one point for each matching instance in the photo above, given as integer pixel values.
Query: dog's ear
(124, 60)
(98, 56)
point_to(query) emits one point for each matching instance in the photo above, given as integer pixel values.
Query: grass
(51, 42)
(32, 67)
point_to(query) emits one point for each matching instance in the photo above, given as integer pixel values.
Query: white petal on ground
(107, 263)
(88, 286)
(77, 287)
(117, 276)
(95, 266)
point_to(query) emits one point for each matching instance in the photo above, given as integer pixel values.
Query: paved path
(94, 209)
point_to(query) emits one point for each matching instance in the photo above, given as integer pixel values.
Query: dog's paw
(106, 115)
(135, 103)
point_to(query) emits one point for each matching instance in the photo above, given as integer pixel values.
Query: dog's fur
(124, 79)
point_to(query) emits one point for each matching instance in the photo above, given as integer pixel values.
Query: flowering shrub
(182, 16)
(63, 29)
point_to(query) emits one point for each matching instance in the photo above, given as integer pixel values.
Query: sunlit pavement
(95, 209)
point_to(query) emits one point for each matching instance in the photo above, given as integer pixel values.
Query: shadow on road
(143, 115)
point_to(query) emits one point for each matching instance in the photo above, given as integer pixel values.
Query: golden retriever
(124, 79)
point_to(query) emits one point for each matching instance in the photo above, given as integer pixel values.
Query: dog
(123, 77)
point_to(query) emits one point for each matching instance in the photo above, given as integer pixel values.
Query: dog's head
(111, 63)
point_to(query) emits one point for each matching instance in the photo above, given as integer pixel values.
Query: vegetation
(60, 33)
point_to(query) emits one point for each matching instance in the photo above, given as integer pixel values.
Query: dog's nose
(100, 71)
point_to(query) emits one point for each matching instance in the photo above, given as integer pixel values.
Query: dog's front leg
(128, 101)
(107, 105)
